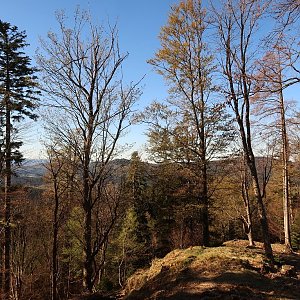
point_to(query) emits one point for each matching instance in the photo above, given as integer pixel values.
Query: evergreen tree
(296, 232)
(137, 186)
(18, 98)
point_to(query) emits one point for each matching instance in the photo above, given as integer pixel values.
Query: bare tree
(83, 79)
(287, 10)
(272, 79)
(237, 23)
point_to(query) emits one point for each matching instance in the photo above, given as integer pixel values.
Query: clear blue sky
(139, 23)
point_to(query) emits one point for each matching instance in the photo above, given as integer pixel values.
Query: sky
(139, 23)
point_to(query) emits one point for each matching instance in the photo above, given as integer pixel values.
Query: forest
(222, 161)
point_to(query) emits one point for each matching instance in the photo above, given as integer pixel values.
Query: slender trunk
(205, 213)
(87, 205)
(245, 195)
(87, 267)
(54, 265)
(7, 205)
(204, 192)
(250, 161)
(285, 177)
(55, 243)
(245, 132)
(262, 216)
(249, 224)
(68, 294)
(87, 232)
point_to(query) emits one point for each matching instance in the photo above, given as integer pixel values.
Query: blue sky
(139, 23)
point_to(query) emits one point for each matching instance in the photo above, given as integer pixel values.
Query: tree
(61, 178)
(134, 239)
(200, 127)
(247, 221)
(136, 184)
(271, 100)
(18, 99)
(236, 25)
(287, 10)
(83, 79)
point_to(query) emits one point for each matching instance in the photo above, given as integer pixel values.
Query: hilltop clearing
(231, 271)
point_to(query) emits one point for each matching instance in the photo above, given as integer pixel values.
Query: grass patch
(195, 270)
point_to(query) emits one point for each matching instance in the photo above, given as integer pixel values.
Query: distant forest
(222, 154)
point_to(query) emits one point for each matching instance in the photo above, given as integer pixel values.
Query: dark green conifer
(18, 98)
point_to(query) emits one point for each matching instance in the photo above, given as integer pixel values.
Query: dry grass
(232, 271)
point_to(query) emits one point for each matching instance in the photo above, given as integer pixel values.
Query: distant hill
(31, 171)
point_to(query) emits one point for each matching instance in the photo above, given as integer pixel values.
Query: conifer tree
(136, 184)
(18, 98)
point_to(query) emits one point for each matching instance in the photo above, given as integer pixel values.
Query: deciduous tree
(82, 76)
(271, 100)
(237, 23)
(199, 127)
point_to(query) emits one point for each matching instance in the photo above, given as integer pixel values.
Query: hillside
(232, 271)
(31, 171)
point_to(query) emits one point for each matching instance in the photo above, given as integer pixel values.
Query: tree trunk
(87, 207)
(245, 132)
(247, 222)
(249, 231)
(87, 230)
(262, 214)
(87, 265)
(7, 205)
(55, 243)
(205, 213)
(285, 176)
(250, 161)
(203, 158)
(7, 240)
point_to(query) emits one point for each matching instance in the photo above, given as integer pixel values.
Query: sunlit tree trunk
(285, 172)
(247, 222)
(273, 79)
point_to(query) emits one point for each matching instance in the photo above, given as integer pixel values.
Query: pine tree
(18, 98)
(137, 186)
